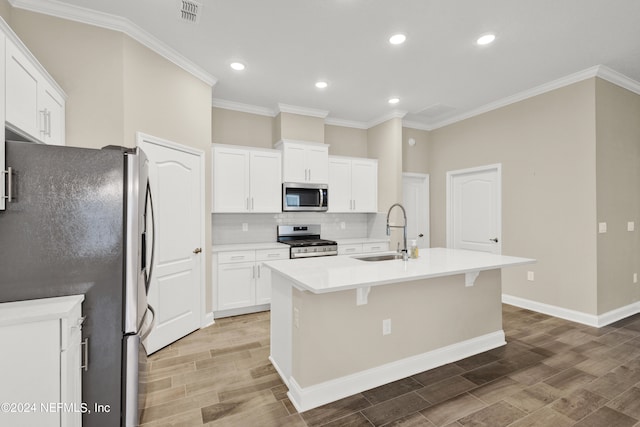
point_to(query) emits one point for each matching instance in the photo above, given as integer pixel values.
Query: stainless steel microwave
(298, 197)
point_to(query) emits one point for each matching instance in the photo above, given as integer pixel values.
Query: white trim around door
(141, 139)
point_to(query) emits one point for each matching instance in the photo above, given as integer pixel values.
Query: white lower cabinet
(242, 282)
(362, 248)
(40, 362)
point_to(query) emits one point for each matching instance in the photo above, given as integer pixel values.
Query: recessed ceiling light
(394, 100)
(238, 66)
(486, 39)
(397, 39)
(321, 85)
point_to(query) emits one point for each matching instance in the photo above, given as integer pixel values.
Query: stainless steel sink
(385, 257)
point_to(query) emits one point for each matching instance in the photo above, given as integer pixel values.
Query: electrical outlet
(530, 276)
(245, 226)
(635, 277)
(343, 225)
(602, 227)
(386, 327)
(296, 317)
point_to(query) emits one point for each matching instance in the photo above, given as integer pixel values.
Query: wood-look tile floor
(551, 373)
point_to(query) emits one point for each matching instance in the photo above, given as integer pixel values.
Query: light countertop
(339, 273)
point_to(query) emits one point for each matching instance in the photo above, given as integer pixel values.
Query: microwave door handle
(321, 197)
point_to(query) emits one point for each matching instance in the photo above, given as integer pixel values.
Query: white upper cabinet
(35, 105)
(304, 162)
(353, 184)
(246, 180)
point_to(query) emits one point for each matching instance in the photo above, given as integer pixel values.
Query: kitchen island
(341, 325)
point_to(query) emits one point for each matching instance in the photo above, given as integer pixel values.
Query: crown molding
(600, 71)
(416, 125)
(244, 108)
(618, 79)
(334, 121)
(114, 23)
(303, 111)
(395, 114)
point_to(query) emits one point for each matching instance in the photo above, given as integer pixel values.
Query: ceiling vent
(190, 11)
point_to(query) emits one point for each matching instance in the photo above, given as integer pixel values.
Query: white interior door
(474, 209)
(415, 199)
(176, 291)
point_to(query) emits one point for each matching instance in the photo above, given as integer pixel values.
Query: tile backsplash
(261, 228)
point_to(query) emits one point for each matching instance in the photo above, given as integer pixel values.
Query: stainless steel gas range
(305, 241)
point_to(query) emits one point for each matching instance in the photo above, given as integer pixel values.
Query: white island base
(326, 347)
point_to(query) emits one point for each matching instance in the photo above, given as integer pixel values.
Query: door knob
(420, 235)
(494, 240)
(197, 250)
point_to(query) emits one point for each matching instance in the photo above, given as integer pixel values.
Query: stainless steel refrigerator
(80, 222)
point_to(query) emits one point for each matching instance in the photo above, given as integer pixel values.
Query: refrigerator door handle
(148, 276)
(145, 334)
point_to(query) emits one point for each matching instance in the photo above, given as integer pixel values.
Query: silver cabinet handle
(9, 195)
(48, 123)
(259, 272)
(85, 354)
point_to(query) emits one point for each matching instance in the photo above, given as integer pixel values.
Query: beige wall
(298, 127)
(384, 143)
(87, 62)
(414, 159)
(116, 87)
(239, 128)
(547, 149)
(5, 11)
(336, 337)
(344, 141)
(618, 190)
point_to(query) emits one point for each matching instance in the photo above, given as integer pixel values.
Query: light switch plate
(530, 276)
(245, 226)
(602, 227)
(631, 226)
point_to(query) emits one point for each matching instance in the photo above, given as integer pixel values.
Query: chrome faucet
(405, 253)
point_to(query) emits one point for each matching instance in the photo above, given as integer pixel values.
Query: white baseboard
(596, 321)
(305, 398)
(208, 320)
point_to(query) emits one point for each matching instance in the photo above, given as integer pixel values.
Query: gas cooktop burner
(305, 241)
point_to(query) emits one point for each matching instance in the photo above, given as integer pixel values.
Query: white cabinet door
(340, 185)
(263, 284)
(317, 160)
(351, 249)
(236, 286)
(230, 180)
(305, 162)
(295, 166)
(52, 115)
(364, 185)
(22, 92)
(263, 276)
(265, 184)
(375, 247)
(30, 371)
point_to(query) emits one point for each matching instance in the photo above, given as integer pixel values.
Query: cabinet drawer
(236, 256)
(349, 249)
(272, 254)
(375, 247)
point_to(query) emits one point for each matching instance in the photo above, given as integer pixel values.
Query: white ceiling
(438, 74)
